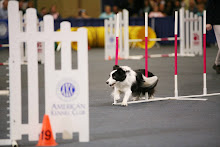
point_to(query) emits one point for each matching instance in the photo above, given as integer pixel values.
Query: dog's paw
(143, 98)
(152, 97)
(124, 104)
(135, 98)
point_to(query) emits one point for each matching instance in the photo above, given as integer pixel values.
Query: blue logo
(67, 90)
(111, 39)
(3, 30)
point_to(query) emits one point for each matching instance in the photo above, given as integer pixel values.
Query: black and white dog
(131, 83)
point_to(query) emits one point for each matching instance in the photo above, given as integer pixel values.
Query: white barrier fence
(110, 25)
(190, 36)
(66, 89)
(40, 45)
(190, 33)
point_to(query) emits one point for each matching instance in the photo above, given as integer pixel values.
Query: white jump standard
(72, 120)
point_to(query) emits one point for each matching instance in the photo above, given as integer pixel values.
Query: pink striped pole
(146, 42)
(175, 75)
(204, 53)
(4, 63)
(117, 35)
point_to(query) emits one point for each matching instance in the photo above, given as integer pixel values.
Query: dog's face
(117, 75)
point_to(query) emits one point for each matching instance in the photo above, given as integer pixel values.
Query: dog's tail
(150, 81)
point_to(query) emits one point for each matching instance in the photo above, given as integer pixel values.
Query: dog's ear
(115, 67)
(120, 70)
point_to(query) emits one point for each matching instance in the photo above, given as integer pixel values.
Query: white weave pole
(175, 76)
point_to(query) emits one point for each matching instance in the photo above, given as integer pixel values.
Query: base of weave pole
(201, 95)
(144, 101)
(162, 99)
(187, 98)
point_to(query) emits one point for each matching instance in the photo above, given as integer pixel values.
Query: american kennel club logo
(111, 42)
(67, 90)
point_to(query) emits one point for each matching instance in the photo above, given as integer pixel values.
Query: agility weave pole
(62, 87)
(204, 65)
(190, 27)
(116, 38)
(204, 54)
(176, 97)
(146, 43)
(175, 45)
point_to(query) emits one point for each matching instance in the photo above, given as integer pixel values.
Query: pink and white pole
(175, 75)
(117, 35)
(146, 43)
(4, 45)
(204, 53)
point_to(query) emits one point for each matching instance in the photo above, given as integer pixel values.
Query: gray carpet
(157, 124)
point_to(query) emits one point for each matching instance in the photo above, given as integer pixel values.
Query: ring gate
(66, 89)
(110, 28)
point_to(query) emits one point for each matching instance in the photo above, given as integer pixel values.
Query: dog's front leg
(116, 95)
(126, 97)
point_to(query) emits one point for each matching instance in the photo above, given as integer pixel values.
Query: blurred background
(71, 8)
(91, 13)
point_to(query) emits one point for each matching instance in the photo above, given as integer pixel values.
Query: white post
(146, 24)
(187, 31)
(117, 25)
(182, 28)
(14, 71)
(111, 24)
(126, 32)
(120, 42)
(32, 58)
(41, 49)
(106, 26)
(23, 54)
(200, 34)
(195, 25)
(191, 48)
